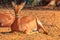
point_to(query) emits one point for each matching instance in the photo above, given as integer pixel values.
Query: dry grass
(50, 20)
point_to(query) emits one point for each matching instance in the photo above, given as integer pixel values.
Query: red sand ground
(50, 20)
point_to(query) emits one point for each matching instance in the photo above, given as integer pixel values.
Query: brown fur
(27, 23)
(17, 9)
(6, 18)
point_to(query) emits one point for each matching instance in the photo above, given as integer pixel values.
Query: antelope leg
(40, 25)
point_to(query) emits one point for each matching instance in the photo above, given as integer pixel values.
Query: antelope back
(6, 18)
(27, 23)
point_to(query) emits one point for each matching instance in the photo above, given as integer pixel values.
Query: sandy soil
(50, 20)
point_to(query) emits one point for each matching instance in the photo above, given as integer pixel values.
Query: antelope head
(18, 8)
(27, 23)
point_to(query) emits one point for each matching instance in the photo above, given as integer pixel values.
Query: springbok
(6, 20)
(52, 3)
(26, 24)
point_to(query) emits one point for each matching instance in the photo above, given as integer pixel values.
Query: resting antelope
(25, 24)
(6, 20)
(52, 3)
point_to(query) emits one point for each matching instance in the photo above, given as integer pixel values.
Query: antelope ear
(13, 4)
(21, 6)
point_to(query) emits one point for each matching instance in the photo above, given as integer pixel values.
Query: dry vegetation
(50, 20)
